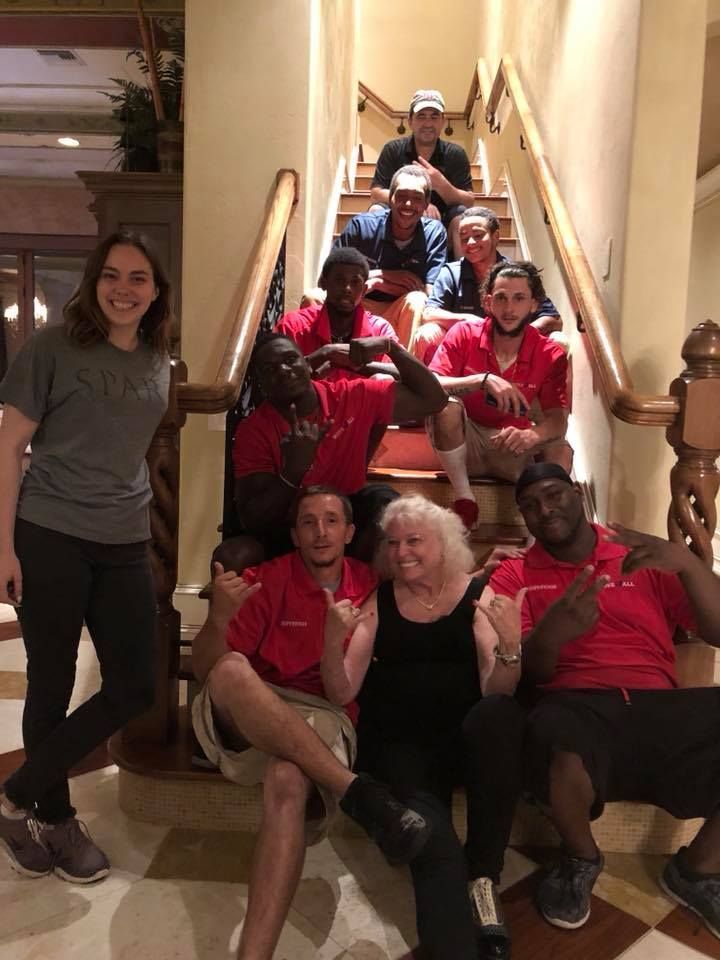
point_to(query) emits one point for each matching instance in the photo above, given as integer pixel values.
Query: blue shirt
(456, 290)
(425, 255)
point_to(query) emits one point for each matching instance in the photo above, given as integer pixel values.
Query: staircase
(405, 459)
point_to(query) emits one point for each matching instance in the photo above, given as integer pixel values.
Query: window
(38, 275)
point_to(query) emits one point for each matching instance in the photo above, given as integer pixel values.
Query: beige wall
(404, 45)
(331, 123)
(394, 45)
(704, 286)
(45, 206)
(561, 49)
(597, 80)
(662, 179)
(266, 85)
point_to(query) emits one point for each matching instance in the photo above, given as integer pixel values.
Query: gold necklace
(428, 606)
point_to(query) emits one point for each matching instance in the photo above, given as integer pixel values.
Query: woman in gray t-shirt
(89, 394)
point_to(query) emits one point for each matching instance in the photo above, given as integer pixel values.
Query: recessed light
(69, 141)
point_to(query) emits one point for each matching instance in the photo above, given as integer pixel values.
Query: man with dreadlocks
(500, 366)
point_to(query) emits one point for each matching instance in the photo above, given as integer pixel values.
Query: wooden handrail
(617, 385)
(383, 107)
(222, 393)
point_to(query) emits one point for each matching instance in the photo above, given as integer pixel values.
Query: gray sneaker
(23, 846)
(701, 892)
(75, 857)
(563, 895)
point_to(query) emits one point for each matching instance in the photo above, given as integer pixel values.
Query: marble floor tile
(629, 882)
(12, 655)
(130, 846)
(605, 936)
(10, 725)
(13, 685)
(517, 867)
(7, 613)
(685, 926)
(656, 946)
(155, 920)
(87, 679)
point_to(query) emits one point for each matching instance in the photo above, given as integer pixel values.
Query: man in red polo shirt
(513, 384)
(598, 622)
(324, 331)
(262, 715)
(309, 432)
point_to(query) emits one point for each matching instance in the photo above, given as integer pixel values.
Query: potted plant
(151, 115)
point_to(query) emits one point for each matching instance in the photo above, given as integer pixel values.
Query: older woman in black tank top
(435, 649)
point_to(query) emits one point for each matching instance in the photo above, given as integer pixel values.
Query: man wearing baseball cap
(446, 163)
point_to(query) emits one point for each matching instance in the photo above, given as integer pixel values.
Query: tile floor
(181, 894)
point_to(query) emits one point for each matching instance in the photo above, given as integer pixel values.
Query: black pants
(486, 755)
(68, 581)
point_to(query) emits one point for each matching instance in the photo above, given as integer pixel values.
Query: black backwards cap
(540, 471)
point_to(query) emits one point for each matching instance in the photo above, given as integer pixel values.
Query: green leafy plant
(136, 147)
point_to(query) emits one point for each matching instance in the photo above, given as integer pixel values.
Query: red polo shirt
(355, 406)
(280, 629)
(539, 370)
(310, 329)
(631, 644)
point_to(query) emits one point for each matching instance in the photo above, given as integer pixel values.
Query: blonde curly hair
(446, 525)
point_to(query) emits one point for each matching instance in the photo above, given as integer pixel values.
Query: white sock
(455, 466)
(11, 814)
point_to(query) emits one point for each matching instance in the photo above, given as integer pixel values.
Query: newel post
(695, 438)
(159, 724)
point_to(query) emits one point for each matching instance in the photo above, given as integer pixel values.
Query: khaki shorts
(483, 460)
(246, 766)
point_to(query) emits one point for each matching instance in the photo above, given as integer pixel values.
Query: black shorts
(655, 746)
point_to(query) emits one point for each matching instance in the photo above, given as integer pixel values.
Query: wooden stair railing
(369, 96)
(691, 410)
(159, 724)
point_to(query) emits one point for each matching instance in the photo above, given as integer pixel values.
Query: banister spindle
(695, 438)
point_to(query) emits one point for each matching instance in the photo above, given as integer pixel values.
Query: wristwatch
(509, 659)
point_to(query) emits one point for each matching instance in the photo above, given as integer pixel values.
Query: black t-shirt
(449, 158)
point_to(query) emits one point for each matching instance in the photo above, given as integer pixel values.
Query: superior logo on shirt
(293, 623)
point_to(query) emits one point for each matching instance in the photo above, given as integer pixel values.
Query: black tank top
(423, 677)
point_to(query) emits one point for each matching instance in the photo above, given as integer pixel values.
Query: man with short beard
(500, 367)
(262, 715)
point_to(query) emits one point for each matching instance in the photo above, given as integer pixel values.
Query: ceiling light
(69, 141)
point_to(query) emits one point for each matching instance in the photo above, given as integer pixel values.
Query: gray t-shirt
(97, 408)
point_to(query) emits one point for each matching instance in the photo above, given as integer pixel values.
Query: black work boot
(400, 832)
